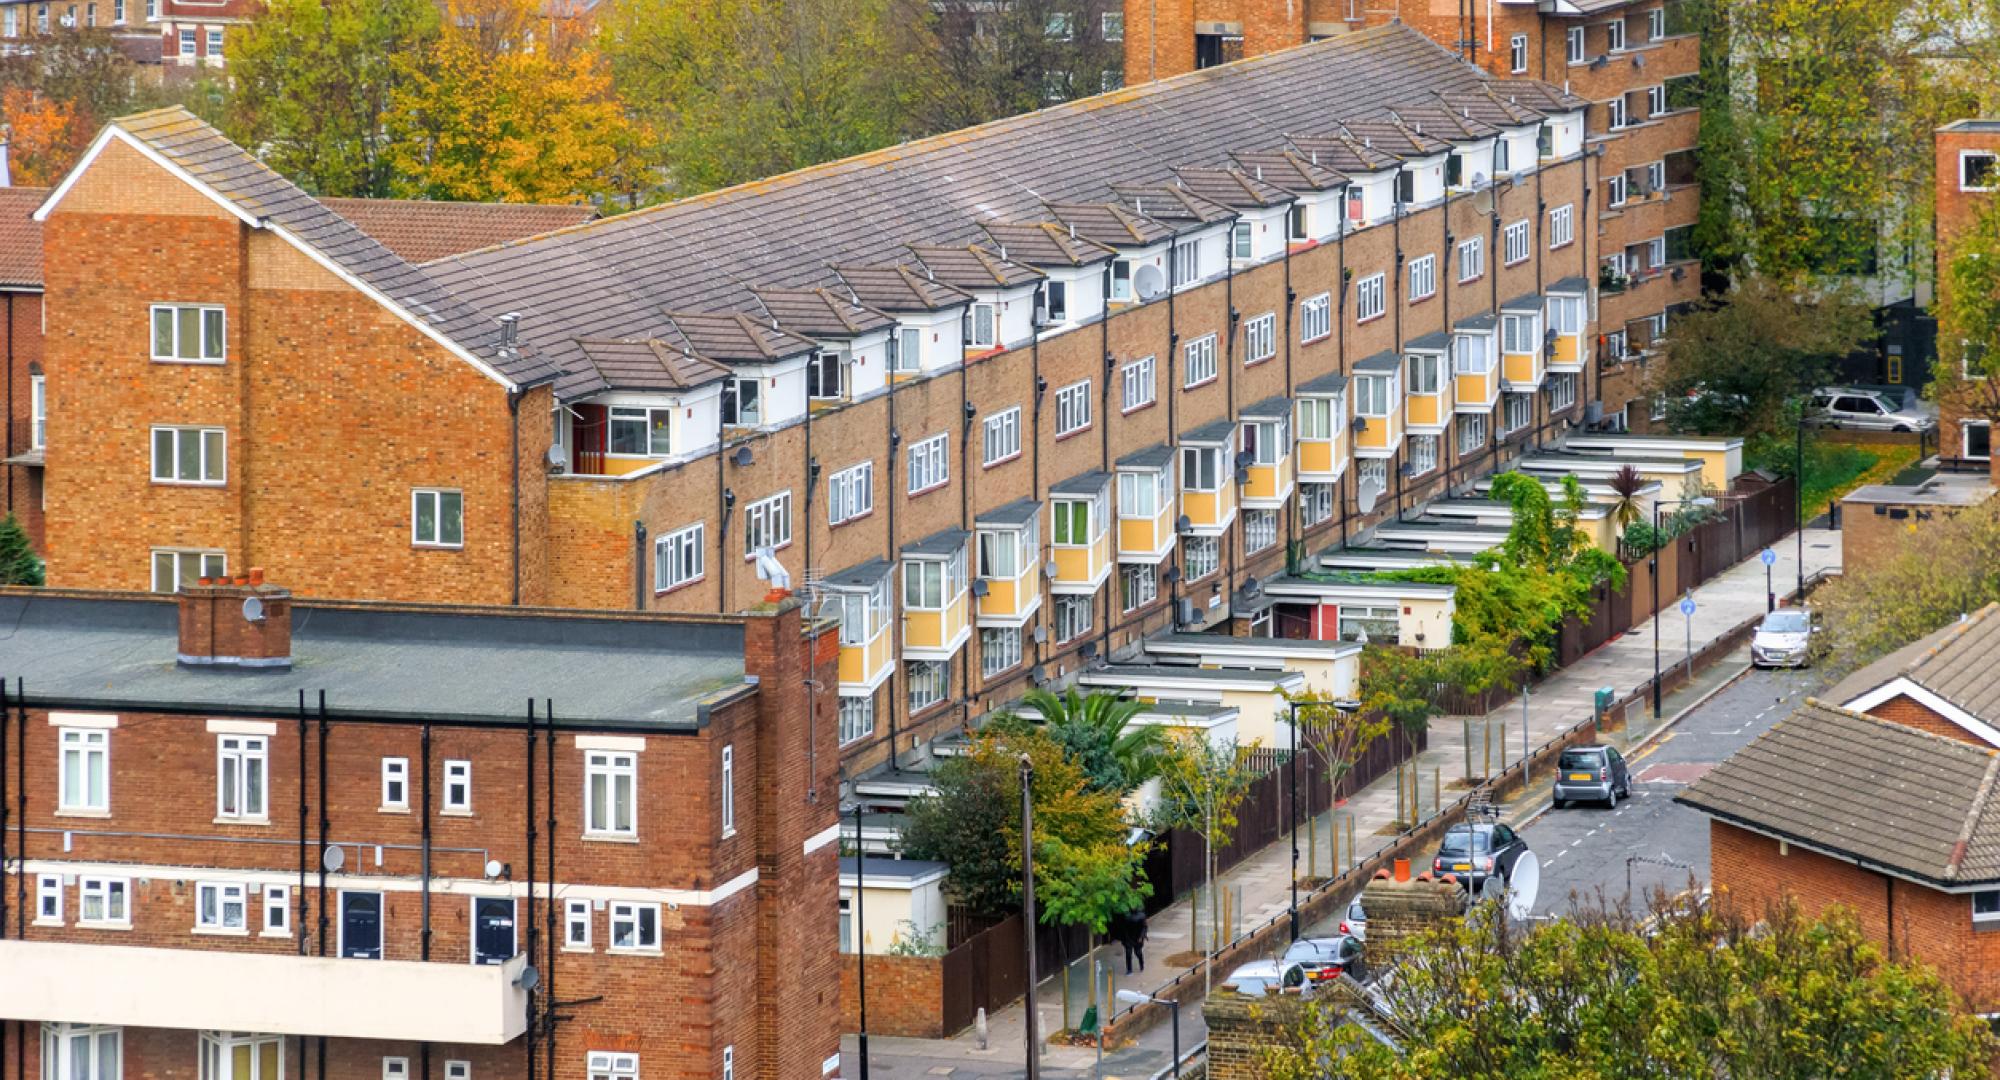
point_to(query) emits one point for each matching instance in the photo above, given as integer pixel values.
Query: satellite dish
(1523, 885)
(333, 858)
(1148, 282)
(253, 609)
(1050, 569)
(494, 868)
(1365, 496)
(558, 457)
(1041, 634)
(1183, 524)
(529, 978)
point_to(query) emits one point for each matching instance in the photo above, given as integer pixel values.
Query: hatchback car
(1863, 410)
(1477, 851)
(1783, 639)
(1326, 958)
(1259, 977)
(1356, 922)
(1596, 773)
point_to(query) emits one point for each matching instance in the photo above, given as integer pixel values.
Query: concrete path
(1264, 879)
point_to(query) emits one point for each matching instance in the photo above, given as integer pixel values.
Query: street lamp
(1034, 1069)
(1654, 565)
(1134, 997)
(859, 925)
(1345, 708)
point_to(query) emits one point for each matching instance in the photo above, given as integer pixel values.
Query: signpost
(1770, 558)
(1687, 620)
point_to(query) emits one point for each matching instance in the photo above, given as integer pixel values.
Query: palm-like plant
(1096, 731)
(1626, 483)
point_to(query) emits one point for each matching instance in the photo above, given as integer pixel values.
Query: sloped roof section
(897, 287)
(1052, 243)
(733, 337)
(259, 193)
(1233, 187)
(421, 230)
(1172, 204)
(1110, 224)
(974, 267)
(1892, 796)
(822, 313)
(21, 237)
(611, 364)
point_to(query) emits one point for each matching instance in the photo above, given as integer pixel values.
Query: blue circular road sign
(1769, 556)
(1687, 605)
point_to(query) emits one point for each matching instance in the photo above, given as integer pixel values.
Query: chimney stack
(239, 622)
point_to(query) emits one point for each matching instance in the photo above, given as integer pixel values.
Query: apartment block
(173, 33)
(1967, 155)
(25, 389)
(251, 836)
(1002, 402)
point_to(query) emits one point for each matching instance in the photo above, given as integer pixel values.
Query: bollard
(979, 1027)
(1437, 789)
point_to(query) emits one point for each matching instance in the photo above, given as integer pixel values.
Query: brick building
(1883, 804)
(1967, 172)
(173, 33)
(21, 355)
(1001, 410)
(248, 837)
(1635, 61)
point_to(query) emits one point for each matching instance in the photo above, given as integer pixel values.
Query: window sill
(1559, 247)
(609, 838)
(157, 482)
(253, 822)
(1247, 364)
(218, 931)
(421, 546)
(1415, 300)
(994, 464)
(728, 834)
(614, 951)
(97, 814)
(1084, 430)
(181, 361)
(393, 810)
(55, 924)
(584, 950)
(1198, 385)
(120, 926)
(274, 934)
(455, 813)
(751, 556)
(1369, 319)
(1138, 408)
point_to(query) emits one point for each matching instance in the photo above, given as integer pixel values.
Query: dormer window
(906, 349)
(1079, 522)
(1501, 162)
(1297, 219)
(1201, 468)
(1518, 334)
(637, 432)
(824, 381)
(980, 327)
(1185, 262)
(1357, 207)
(1239, 240)
(932, 584)
(741, 402)
(1121, 279)
(1319, 418)
(1141, 495)
(1052, 302)
(1406, 187)
(1470, 355)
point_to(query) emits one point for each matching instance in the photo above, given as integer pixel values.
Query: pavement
(1263, 881)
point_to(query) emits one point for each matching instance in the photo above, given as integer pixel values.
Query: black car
(1478, 850)
(1596, 773)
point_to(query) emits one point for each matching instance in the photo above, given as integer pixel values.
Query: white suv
(1863, 410)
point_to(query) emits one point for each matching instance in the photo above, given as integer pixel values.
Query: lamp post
(1134, 997)
(1701, 500)
(860, 954)
(1799, 505)
(1345, 708)
(1034, 1070)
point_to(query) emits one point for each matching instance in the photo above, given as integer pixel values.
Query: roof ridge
(1892, 725)
(1973, 813)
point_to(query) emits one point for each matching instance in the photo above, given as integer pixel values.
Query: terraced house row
(1001, 401)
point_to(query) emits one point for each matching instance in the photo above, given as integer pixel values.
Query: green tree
(1696, 993)
(1968, 313)
(1878, 607)
(1096, 731)
(1339, 736)
(1202, 784)
(18, 563)
(996, 60)
(1626, 483)
(314, 80)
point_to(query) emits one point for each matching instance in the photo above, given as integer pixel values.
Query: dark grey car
(1592, 773)
(1479, 850)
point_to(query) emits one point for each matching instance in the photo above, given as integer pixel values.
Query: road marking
(1662, 741)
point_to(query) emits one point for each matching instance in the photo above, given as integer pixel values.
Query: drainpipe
(10, 410)
(424, 789)
(528, 787)
(549, 908)
(639, 565)
(1348, 480)
(324, 825)
(514, 437)
(1396, 326)
(1035, 474)
(965, 475)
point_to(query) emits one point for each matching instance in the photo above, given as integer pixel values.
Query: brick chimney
(240, 622)
(1401, 910)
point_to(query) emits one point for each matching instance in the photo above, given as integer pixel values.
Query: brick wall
(905, 996)
(1910, 712)
(1401, 910)
(21, 340)
(1241, 1030)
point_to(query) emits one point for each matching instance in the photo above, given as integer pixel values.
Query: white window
(1200, 555)
(1002, 440)
(189, 455)
(979, 322)
(1975, 440)
(1201, 468)
(1986, 905)
(1198, 361)
(458, 787)
(1184, 264)
(277, 910)
(999, 649)
(76, 1052)
(1298, 221)
(1315, 317)
(228, 1055)
(742, 402)
(1267, 441)
(220, 905)
(1658, 407)
(1471, 433)
(1111, 25)
(458, 1070)
(1061, 26)
(242, 769)
(1374, 395)
(1501, 155)
(1516, 411)
(173, 569)
(1072, 408)
(767, 523)
(1573, 42)
(1425, 377)
(1517, 54)
(1656, 100)
(395, 783)
(1319, 417)
(1562, 225)
(48, 899)
(38, 406)
(215, 44)
(187, 333)
(1361, 622)
(1260, 337)
(437, 518)
(1516, 238)
(610, 790)
(634, 927)
(1423, 277)
(1656, 24)
(605, 1066)
(12, 27)
(1561, 390)
(857, 718)
(1369, 299)
(104, 902)
(1005, 554)
(1614, 187)
(1615, 113)
(1121, 279)
(1139, 384)
(1518, 336)
(926, 681)
(1423, 454)
(906, 350)
(1656, 252)
(637, 432)
(1471, 258)
(728, 791)
(929, 465)
(1072, 617)
(825, 377)
(117, 11)
(1315, 503)
(933, 584)
(1566, 314)
(1079, 522)
(1614, 35)
(1052, 302)
(1656, 175)
(1260, 529)
(850, 493)
(1471, 354)
(85, 784)
(678, 557)
(576, 925)
(1239, 240)
(1138, 585)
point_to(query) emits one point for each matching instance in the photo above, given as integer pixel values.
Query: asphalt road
(1588, 851)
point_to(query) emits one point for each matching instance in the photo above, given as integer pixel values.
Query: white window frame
(1507, 399)
(1001, 437)
(277, 911)
(457, 787)
(247, 753)
(99, 1044)
(767, 523)
(850, 493)
(1072, 617)
(982, 326)
(728, 791)
(1614, 35)
(395, 1068)
(441, 499)
(1470, 424)
(1615, 116)
(1200, 556)
(395, 784)
(458, 1070)
(906, 350)
(1656, 100)
(1520, 333)
(1614, 189)
(225, 893)
(1993, 897)
(607, 769)
(1138, 585)
(201, 557)
(1370, 297)
(1260, 530)
(999, 650)
(648, 421)
(826, 366)
(1073, 408)
(1139, 384)
(91, 747)
(1517, 243)
(1315, 503)
(38, 409)
(1260, 338)
(1370, 387)
(927, 683)
(1471, 259)
(1319, 418)
(1197, 461)
(1423, 278)
(209, 473)
(1241, 239)
(603, 1065)
(1111, 26)
(680, 558)
(113, 899)
(928, 466)
(48, 900)
(204, 313)
(1315, 318)
(1423, 454)
(1425, 372)
(1965, 443)
(1966, 157)
(1562, 225)
(1575, 51)
(1517, 54)
(857, 717)
(742, 402)
(1198, 362)
(1656, 24)
(576, 916)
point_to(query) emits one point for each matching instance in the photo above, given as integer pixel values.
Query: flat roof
(117, 652)
(1957, 491)
(1187, 644)
(891, 873)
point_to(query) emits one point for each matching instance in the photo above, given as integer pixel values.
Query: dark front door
(361, 925)
(492, 929)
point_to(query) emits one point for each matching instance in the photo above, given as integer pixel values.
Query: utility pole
(1028, 911)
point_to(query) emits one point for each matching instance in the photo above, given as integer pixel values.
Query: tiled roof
(1233, 187)
(1438, 119)
(21, 237)
(1488, 104)
(611, 278)
(1111, 224)
(822, 313)
(734, 337)
(974, 267)
(261, 194)
(611, 364)
(1051, 243)
(1385, 131)
(1918, 804)
(1290, 170)
(420, 230)
(1172, 204)
(1957, 663)
(1535, 94)
(1345, 152)
(897, 287)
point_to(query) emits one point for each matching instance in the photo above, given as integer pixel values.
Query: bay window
(1319, 417)
(1374, 395)
(933, 584)
(1201, 468)
(641, 432)
(82, 1052)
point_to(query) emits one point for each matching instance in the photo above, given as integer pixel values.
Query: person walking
(1132, 934)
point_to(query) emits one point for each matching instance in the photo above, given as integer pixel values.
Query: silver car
(1863, 410)
(1783, 639)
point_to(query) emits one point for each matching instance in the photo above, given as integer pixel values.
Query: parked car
(1326, 958)
(1259, 977)
(1477, 851)
(1596, 773)
(1864, 410)
(1356, 922)
(1783, 639)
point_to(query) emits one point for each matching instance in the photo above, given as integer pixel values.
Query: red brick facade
(21, 355)
(1958, 202)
